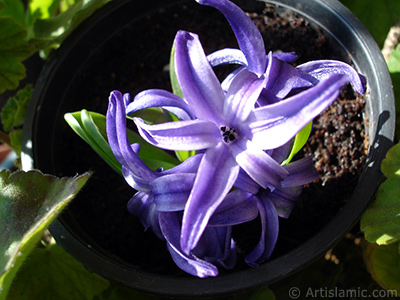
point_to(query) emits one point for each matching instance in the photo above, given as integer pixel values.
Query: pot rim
(362, 49)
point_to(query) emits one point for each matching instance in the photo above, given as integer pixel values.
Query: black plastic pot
(58, 85)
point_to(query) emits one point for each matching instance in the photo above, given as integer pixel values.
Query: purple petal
(226, 83)
(217, 247)
(180, 135)
(199, 84)
(241, 97)
(280, 77)
(169, 223)
(286, 56)
(284, 199)
(245, 183)
(238, 207)
(258, 165)
(118, 140)
(190, 165)
(227, 56)
(319, 70)
(269, 233)
(140, 205)
(301, 172)
(160, 98)
(274, 125)
(171, 192)
(267, 98)
(215, 177)
(248, 36)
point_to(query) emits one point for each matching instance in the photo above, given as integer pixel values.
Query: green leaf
(377, 15)
(91, 127)
(56, 29)
(383, 262)
(29, 202)
(176, 88)
(46, 8)
(394, 60)
(51, 273)
(13, 49)
(13, 113)
(299, 141)
(14, 9)
(381, 221)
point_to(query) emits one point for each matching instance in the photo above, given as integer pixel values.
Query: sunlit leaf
(55, 29)
(381, 221)
(51, 273)
(29, 202)
(299, 141)
(46, 7)
(383, 262)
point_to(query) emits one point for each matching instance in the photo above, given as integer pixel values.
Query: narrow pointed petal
(171, 192)
(180, 135)
(257, 164)
(238, 207)
(215, 177)
(274, 125)
(301, 172)
(319, 70)
(160, 98)
(241, 97)
(247, 34)
(269, 233)
(284, 199)
(169, 223)
(199, 84)
(281, 77)
(227, 56)
(118, 140)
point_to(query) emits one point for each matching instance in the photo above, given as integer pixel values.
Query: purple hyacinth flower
(282, 77)
(230, 129)
(152, 202)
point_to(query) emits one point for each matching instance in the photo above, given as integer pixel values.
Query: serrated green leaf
(13, 113)
(29, 202)
(13, 49)
(383, 262)
(377, 15)
(14, 9)
(381, 221)
(51, 273)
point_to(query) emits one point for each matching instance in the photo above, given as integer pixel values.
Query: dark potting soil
(136, 59)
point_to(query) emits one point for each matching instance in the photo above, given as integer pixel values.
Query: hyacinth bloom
(241, 129)
(231, 130)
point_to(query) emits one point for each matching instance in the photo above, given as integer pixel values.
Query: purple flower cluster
(241, 130)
